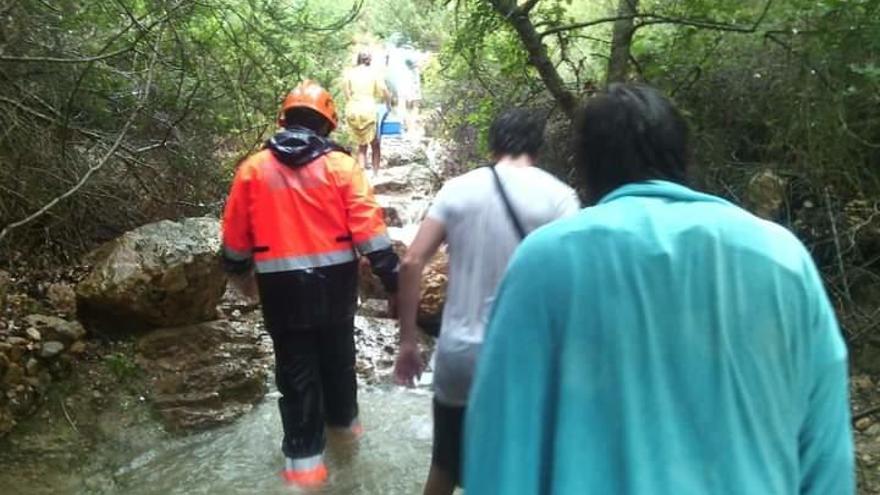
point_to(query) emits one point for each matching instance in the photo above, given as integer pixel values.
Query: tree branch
(105, 56)
(710, 24)
(539, 58)
(652, 18)
(528, 6)
(57, 60)
(94, 168)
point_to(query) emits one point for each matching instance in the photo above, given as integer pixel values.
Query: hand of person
(392, 306)
(408, 366)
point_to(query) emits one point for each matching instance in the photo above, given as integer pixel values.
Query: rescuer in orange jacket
(299, 215)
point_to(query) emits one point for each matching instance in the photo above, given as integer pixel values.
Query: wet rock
(433, 289)
(14, 376)
(51, 349)
(390, 184)
(864, 423)
(433, 297)
(17, 348)
(203, 375)
(376, 308)
(234, 300)
(372, 337)
(765, 194)
(423, 181)
(401, 153)
(392, 217)
(54, 328)
(160, 275)
(32, 367)
(62, 297)
(33, 334)
(862, 383)
(78, 348)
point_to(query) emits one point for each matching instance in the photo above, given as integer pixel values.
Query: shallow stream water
(391, 458)
(244, 457)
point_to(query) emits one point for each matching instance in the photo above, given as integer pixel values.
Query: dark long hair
(630, 133)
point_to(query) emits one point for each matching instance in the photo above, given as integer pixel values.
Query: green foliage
(200, 82)
(121, 366)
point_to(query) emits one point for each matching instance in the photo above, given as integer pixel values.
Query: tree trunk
(621, 41)
(518, 18)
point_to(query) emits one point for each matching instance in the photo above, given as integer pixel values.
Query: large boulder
(206, 374)
(163, 274)
(398, 153)
(394, 181)
(433, 288)
(434, 281)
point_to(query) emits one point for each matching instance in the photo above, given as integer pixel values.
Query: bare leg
(377, 155)
(439, 482)
(362, 155)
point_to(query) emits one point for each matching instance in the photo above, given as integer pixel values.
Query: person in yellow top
(365, 92)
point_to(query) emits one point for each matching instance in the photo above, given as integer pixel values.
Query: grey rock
(62, 296)
(392, 217)
(33, 334)
(32, 367)
(376, 308)
(54, 328)
(163, 274)
(51, 349)
(204, 375)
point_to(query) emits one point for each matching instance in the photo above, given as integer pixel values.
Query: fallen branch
(67, 416)
(58, 60)
(840, 264)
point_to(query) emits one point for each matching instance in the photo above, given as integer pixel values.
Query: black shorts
(448, 428)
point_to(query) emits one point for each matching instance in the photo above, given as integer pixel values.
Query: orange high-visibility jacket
(285, 218)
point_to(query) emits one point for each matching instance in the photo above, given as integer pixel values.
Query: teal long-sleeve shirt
(661, 342)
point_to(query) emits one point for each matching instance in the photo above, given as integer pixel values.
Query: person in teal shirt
(663, 341)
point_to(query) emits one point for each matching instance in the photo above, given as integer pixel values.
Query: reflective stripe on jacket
(292, 218)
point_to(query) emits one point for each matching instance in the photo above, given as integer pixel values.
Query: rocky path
(167, 343)
(201, 354)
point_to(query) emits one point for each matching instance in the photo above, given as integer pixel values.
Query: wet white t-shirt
(481, 239)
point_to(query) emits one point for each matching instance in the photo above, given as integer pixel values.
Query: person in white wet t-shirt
(482, 216)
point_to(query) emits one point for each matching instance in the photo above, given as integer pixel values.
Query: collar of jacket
(661, 189)
(299, 146)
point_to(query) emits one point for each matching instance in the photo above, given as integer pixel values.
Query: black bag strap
(510, 211)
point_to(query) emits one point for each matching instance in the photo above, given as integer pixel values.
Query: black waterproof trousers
(310, 316)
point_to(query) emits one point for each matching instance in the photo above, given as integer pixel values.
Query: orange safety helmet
(311, 95)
